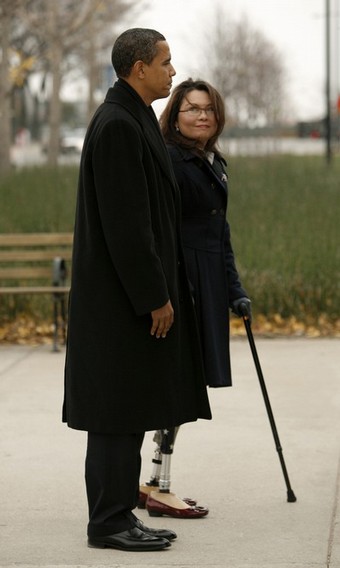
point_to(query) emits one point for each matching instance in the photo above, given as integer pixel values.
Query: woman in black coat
(191, 123)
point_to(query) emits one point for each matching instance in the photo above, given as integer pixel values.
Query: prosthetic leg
(155, 495)
(160, 476)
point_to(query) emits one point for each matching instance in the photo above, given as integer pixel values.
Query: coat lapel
(157, 144)
(217, 170)
(123, 95)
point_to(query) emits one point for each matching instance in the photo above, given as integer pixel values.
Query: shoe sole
(147, 548)
(174, 516)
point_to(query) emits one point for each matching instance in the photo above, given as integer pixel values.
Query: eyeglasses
(195, 111)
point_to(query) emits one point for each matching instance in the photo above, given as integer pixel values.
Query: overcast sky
(296, 27)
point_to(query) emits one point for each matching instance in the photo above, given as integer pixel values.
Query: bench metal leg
(58, 279)
(59, 320)
(55, 323)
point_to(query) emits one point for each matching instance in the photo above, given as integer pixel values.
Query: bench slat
(22, 272)
(38, 239)
(35, 290)
(33, 255)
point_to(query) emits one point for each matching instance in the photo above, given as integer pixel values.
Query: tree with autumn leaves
(52, 38)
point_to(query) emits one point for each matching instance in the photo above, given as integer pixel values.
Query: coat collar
(217, 170)
(125, 96)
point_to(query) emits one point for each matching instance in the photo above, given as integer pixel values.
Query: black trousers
(112, 472)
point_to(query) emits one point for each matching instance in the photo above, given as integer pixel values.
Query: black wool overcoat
(128, 261)
(209, 255)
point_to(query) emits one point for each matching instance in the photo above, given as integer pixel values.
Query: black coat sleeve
(235, 288)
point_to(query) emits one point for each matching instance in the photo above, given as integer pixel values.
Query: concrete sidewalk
(229, 464)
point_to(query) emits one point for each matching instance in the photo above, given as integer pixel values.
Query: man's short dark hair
(133, 45)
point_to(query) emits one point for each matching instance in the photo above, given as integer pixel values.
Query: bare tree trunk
(55, 62)
(91, 69)
(5, 111)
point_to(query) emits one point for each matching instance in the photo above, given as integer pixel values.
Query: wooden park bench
(38, 263)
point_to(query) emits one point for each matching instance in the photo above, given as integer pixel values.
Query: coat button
(213, 212)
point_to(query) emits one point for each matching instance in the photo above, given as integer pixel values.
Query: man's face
(158, 75)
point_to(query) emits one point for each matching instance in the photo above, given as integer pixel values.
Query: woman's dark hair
(133, 45)
(169, 116)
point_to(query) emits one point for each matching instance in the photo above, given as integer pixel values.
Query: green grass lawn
(284, 217)
(38, 200)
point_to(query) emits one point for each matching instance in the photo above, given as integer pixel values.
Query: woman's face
(196, 119)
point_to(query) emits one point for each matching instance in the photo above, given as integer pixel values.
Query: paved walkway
(229, 463)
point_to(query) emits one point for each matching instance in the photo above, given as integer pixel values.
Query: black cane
(290, 493)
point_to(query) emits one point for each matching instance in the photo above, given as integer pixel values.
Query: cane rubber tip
(291, 497)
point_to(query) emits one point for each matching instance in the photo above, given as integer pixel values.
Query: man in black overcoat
(133, 359)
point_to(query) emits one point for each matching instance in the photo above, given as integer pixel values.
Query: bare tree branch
(248, 70)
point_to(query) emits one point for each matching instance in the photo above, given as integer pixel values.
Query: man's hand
(162, 320)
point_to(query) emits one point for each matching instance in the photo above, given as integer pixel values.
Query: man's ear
(139, 69)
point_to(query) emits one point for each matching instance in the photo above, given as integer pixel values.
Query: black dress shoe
(132, 540)
(160, 533)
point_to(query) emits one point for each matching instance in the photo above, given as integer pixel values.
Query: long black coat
(209, 256)
(128, 261)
